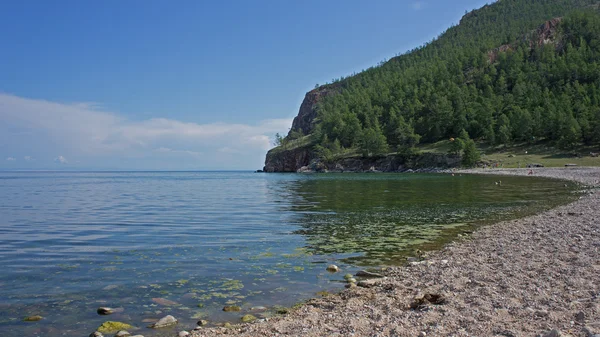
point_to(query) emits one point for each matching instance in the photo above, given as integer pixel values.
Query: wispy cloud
(11, 159)
(418, 5)
(29, 158)
(85, 130)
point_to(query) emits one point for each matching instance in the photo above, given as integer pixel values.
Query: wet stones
(332, 268)
(112, 326)
(231, 308)
(183, 334)
(34, 318)
(248, 318)
(123, 333)
(96, 334)
(202, 322)
(164, 322)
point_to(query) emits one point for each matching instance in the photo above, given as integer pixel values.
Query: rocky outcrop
(545, 34)
(305, 121)
(303, 160)
(279, 160)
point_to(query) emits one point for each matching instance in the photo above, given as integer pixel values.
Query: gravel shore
(524, 277)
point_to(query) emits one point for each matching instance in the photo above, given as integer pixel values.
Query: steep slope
(516, 70)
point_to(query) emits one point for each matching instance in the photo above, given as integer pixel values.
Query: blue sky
(183, 85)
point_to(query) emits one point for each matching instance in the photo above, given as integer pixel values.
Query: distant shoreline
(521, 277)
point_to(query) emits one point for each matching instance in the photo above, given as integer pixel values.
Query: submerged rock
(202, 322)
(183, 334)
(112, 326)
(248, 318)
(333, 268)
(34, 318)
(230, 308)
(96, 334)
(164, 322)
(164, 301)
(122, 333)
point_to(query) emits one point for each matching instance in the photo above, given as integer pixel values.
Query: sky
(187, 84)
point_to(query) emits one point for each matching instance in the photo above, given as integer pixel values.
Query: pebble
(33, 318)
(165, 321)
(202, 322)
(122, 333)
(183, 334)
(333, 268)
(551, 333)
(580, 316)
(96, 334)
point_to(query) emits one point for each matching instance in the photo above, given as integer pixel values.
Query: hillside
(511, 72)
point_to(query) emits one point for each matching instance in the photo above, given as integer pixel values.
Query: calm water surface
(73, 241)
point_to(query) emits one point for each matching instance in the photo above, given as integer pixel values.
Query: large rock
(113, 327)
(164, 322)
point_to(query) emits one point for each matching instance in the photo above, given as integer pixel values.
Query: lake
(189, 243)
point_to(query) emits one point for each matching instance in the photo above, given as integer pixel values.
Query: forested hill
(512, 71)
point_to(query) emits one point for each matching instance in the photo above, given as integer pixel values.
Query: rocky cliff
(305, 121)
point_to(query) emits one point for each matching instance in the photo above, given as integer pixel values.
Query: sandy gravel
(518, 278)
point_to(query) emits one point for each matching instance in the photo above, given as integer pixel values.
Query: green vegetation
(496, 79)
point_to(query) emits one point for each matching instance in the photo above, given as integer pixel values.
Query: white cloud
(61, 160)
(29, 158)
(418, 5)
(84, 130)
(11, 159)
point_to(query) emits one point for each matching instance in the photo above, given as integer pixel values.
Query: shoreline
(523, 277)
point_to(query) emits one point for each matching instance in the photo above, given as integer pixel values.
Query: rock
(551, 333)
(412, 259)
(248, 318)
(164, 301)
(227, 325)
(105, 311)
(423, 334)
(422, 301)
(183, 334)
(348, 276)
(352, 280)
(258, 308)
(112, 326)
(202, 322)
(364, 273)
(542, 313)
(33, 318)
(351, 285)
(369, 283)
(123, 333)
(164, 322)
(332, 268)
(580, 317)
(230, 308)
(96, 334)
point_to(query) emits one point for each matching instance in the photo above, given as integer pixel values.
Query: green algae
(113, 326)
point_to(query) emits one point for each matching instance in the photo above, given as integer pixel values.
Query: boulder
(164, 322)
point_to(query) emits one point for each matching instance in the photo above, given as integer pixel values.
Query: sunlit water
(72, 242)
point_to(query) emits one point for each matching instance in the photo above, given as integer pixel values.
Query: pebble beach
(535, 276)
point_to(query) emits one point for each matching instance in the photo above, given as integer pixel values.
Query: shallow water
(73, 241)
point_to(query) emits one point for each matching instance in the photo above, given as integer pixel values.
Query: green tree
(372, 143)
(471, 155)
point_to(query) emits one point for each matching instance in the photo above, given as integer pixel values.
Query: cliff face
(288, 160)
(304, 160)
(305, 121)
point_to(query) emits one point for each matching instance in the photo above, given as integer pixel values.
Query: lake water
(71, 242)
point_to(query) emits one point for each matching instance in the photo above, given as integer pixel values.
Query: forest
(513, 71)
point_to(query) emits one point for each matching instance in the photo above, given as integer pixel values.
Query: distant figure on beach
(530, 172)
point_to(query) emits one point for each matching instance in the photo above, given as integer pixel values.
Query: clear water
(71, 242)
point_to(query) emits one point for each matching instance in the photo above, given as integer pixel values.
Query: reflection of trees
(387, 216)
